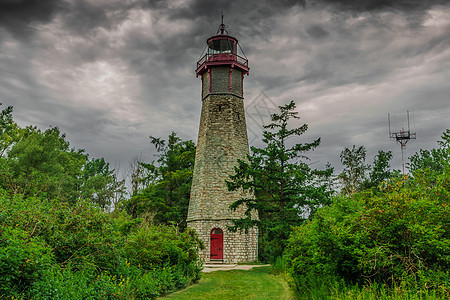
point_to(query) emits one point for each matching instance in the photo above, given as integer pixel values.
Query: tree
(436, 159)
(36, 163)
(380, 170)
(354, 172)
(42, 162)
(99, 184)
(10, 132)
(400, 233)
(284, 189)
(166, 197)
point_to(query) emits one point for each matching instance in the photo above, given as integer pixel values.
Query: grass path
(256, 283)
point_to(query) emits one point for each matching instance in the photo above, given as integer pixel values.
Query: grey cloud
(82, 16)
(20, 16)
(294, 54)
(373, 5)
(317, 32)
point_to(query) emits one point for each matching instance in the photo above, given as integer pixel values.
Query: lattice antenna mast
(402, 137)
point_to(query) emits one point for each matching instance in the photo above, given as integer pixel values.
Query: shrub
(23, 260)
(401, 234)
(164, 247)
(50, 250)
(79, 235)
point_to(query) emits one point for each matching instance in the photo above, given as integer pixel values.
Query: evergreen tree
(284, 189)
(166, 197)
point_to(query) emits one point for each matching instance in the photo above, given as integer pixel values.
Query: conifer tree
(284, 189)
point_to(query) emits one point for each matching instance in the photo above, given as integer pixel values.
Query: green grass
(251, 263)
(256, 283)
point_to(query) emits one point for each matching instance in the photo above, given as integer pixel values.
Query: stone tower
(222, 140)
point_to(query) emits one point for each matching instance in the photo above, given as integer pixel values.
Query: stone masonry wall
(222, 140)
(220, 81)
(237, 247)
(236, 82)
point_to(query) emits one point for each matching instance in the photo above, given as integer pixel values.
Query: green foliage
(78, 235)
(166, 197)
(23, 259)
(355, 169)
(9, 131)
(57, 241)
(380, 170)
(164, 246)
(401, 233)
(42, 163)
(436, 159)
(50, 249)
(284, 187)
(100, 185)
(257, 283)
(358, 176)
(389, 241)
(329, 287)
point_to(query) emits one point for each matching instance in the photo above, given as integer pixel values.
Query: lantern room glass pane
(221, 46)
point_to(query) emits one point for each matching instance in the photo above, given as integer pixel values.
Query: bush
(165, 247)
(79, 235)
(50, 250)
(23, 260)
(400, 234)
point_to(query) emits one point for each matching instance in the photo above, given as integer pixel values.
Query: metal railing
(222, 57)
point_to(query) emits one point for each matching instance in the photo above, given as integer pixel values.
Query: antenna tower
(402, 137)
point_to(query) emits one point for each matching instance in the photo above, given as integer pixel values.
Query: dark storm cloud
(83, 16)
(373, 5)
(19, 16)
(316, 31)
(110, 74)
(233, 10)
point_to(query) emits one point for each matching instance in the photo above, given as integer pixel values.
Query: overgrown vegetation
(161, 189)
(63, 235)
(68, 229)
(381, 235)
(387, 242)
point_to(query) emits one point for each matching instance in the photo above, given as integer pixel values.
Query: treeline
(76, 232)
(368, 232)
(65, 230)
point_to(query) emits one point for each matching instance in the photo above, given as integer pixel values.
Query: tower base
(236, 247)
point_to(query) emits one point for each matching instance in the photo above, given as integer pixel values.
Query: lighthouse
(222, 140)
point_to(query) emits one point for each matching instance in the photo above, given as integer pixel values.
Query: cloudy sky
(109, 73)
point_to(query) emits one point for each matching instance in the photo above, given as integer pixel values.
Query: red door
(216, 244)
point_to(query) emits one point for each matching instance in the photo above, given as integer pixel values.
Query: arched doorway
(216, 243)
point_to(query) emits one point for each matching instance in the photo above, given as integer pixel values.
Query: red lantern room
(221, 56)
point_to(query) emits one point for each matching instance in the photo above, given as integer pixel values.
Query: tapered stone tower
(222, 140)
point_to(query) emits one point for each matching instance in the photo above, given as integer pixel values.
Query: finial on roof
(222, 27)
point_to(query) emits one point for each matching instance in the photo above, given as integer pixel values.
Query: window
(221, 46)
(216, 231)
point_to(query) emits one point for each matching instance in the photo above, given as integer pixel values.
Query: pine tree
(284, 189)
